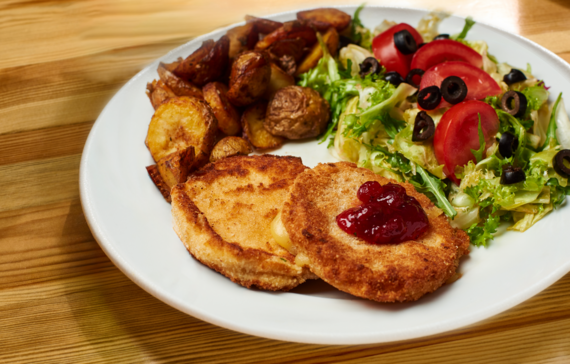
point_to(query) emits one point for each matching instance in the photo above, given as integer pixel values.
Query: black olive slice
(453, 90)
(513, 77)
(424, 127)
(519, 101)
(405, 42)
(344, 41)
(559, 165)
(512, 175)
(412, 74)
(394, 78)
(369, 66)
(429, 97)
(508, 144)
(441, 36)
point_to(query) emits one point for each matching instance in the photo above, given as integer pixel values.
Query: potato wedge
(249, 78)
(263, 26)
(242, 38)
(331, 39)
(180, 123)
(179, 86)
(278, 80)
(252, 121)
(289, 30)
(207, 63)
(288, 47)
(158, 92)
(230, 146)
(323, 18)
(155, 176)
(175, 167)
(225, 112)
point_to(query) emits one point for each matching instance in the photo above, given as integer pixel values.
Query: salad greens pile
(372, 124)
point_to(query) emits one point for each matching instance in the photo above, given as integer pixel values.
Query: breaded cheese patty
(223, 215)
(385, 273)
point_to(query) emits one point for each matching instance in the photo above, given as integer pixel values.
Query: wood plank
(44, 143)
(41, 182)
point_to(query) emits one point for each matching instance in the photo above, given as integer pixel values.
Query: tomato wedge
(445, 50)
(388, 55)
(479, 83)
(457, 133)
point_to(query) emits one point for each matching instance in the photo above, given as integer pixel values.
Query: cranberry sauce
(387, 215)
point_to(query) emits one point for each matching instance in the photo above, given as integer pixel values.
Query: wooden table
(61, 298)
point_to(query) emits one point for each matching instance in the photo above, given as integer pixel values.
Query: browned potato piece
(331, 39)
(263, 26)
(242, 38)
(180, 123)
(225, 112)
(249, 78)
(230, 146)
(179, 86)
(252, 121)
(159, 182)
(278, 80)
(207, 63)
(289, 30)
(297, 112)
(158, 92)
(172, 66)
(324, 18)
(288, 47)
(175, 167)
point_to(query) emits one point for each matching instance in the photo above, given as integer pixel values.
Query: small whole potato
(249, 78)
(297, 112)
(230, 146)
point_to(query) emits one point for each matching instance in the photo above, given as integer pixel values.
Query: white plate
(132, 223)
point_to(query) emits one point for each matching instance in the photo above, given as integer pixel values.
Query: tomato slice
(445, 50)
(388, 55)
(479, 83)
(457, 133)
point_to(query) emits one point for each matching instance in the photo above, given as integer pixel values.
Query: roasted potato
(249, 78)
(252, 121)
(242, 38)
(331, 39)
(325, 18)
(175, 167)
(289, 30)
(278, 80)
(230, 146)
(172, 66)
(158, 92)
(263, 26)
(207, 63)
(288, 47)
(180, 123)
(155, 176)
(297, 112)
(179, 86)
(225, 112)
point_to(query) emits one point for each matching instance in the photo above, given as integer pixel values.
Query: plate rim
(419, 332)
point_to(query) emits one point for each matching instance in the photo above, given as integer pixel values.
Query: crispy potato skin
(331, 39)
(158, 93)
(278, 80)
(242, 38)
(180, 123)
(263, 26)
(289, 30)
(324, 18)
(223, 216)
(230, 146)
(179, 86)
(208, 63)
(249, 78)
(227, 115)
(297, 112)
(156, 178)
(175, 167)
(252, 121)
(385, 273)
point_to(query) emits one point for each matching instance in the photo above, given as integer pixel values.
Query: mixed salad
(482, 139)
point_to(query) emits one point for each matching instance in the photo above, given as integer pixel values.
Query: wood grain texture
(63, 301)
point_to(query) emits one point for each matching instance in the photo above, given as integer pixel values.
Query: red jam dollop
(387, 215)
